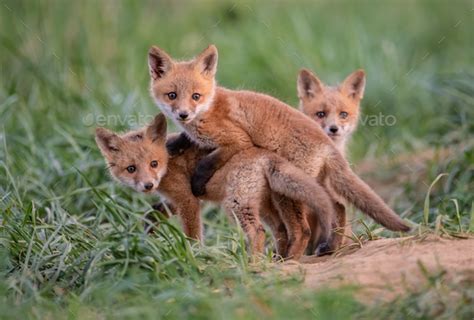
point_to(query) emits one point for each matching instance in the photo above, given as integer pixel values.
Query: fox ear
(308, 85)
(159, 62)
(156, 130)
(107, 141)
(354, 85)
(206, 61)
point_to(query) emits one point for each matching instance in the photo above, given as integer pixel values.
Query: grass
(72, 241)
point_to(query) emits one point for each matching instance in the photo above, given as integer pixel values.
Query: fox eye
(196, 96)
(172, 95)
(343, 114)
(320, 114)
(131, 169)
(154, 164)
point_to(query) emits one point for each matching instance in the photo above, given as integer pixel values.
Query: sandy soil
(386, 268)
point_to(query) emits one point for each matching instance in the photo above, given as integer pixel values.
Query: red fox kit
(336, 110)
(232, 121)
(244, 185)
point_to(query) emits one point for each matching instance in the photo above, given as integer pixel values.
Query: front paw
(198, 185)
(150, 223)
(176, 145)
(159, 206)
(174, 148)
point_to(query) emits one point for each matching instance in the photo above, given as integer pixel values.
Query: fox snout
(184, 114)
(333, 129)
(148, 186)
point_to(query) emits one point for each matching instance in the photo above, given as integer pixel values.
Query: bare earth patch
(386, 268)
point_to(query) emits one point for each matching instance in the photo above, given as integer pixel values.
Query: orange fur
(232, 121)
(245, 185)
(336, 110)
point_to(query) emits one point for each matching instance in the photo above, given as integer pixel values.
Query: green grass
(72, 241)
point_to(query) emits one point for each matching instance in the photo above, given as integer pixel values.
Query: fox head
(138, 158)
(183, 90)
(335, 109)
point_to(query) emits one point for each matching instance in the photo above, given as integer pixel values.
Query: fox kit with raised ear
(244, 185)
(336, 110)
(231, 121)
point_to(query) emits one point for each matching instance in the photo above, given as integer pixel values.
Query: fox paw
(323, 249)
(159, 207)
(177, 145)
(150, 223)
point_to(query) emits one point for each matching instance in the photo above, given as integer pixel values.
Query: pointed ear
(107, 141)
(206, 61)
(159, 62)
(308, 85)
(156, 131)
(354, 85)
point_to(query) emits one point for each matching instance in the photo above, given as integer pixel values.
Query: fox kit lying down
(336, 110)
(244, 185)
(232, 121)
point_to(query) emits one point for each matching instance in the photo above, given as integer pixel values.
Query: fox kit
(336, 110)
(232, 121)
(244, 185)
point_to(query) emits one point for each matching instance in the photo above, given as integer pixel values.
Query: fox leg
(339, 229)
(206, 168)
(189, 212)
(229, 145)
(178, 144)
(293, 214)
(337, 238)
(272, 219)
(247, 215)
(313, 221)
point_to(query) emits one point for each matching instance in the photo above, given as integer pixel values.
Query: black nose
(148, 185)
(183, 115)
(333, 129)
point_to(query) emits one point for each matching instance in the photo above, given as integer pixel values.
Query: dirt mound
(387, 267)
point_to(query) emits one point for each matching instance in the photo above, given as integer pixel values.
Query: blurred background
(69, 66)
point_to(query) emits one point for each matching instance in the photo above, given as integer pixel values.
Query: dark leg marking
(177, 145)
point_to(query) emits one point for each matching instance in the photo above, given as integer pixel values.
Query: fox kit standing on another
(231, 121)
(244, 185)
(336, 110)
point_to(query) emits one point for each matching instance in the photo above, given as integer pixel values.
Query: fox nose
(148, 186)
(183, 115)
(333, 129)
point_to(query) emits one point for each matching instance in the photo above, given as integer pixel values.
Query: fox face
(139, 158)
(335, 109)
(182, 90)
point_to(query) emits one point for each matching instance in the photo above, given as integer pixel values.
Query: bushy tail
(348, 185)
(286, 179)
